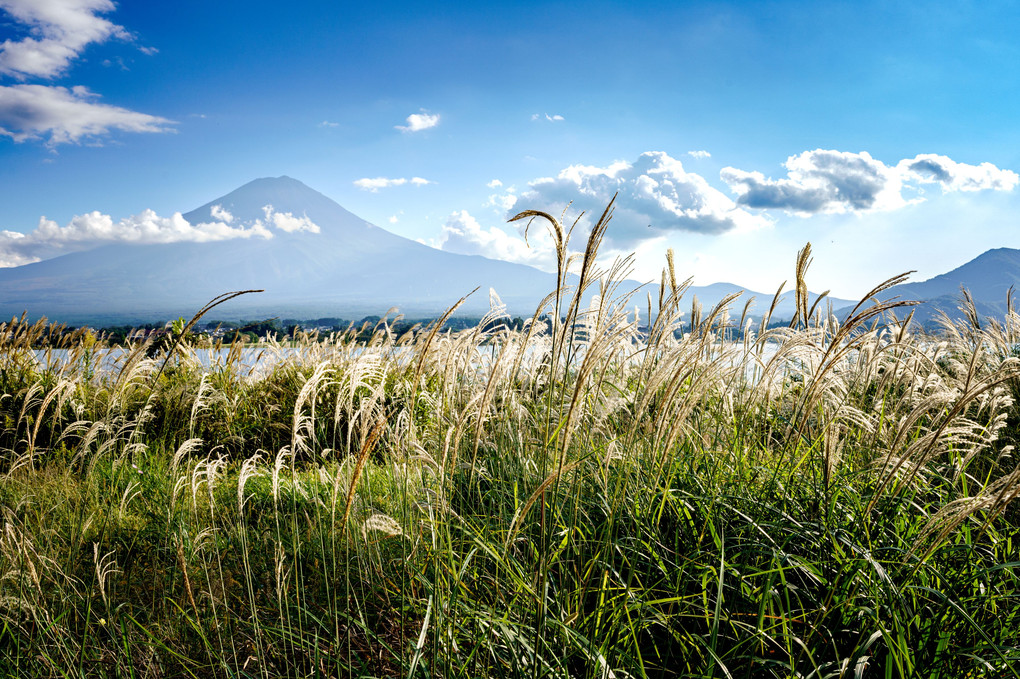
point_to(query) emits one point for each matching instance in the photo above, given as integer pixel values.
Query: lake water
(249, 360)
(257, 360)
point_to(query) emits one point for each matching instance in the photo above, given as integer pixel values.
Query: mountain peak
(345, 267)
(270, 182)
(988, 278)
(283, 194)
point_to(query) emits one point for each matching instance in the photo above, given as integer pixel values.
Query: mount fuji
(320, 260)
(346, 267)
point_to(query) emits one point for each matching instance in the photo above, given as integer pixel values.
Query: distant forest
(280, 329)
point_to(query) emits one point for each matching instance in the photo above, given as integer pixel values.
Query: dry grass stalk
(359, 467)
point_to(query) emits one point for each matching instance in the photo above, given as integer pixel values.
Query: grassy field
(704, 497)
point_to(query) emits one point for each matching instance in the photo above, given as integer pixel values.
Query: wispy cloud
(373, 184)
(655, 195)
(59, 31)
(93, 229)
(699, 155)
(557, 118)
(827, 181)
(61, 116)
(419, 121)
(328, 123)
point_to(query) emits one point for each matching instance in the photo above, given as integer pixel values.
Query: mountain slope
(988, 277)
(349, 268)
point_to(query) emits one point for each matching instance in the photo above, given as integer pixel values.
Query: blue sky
(885, 133)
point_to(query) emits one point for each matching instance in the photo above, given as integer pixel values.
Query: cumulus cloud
(90, 230)
(503, 202)
(822, 181)
(220, 214)
(464, 235)
(58, 32)
(419, 121)
(950, 175)
(93, 229)
(287, 222)
(655, 196)
(827, 181)
(495, 183)
(373, 184)
(64, 116)
(699, 155)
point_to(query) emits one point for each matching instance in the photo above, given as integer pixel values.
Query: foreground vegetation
(590, 499)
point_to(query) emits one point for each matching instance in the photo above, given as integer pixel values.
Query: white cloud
(373, 184)
(328, 123)
(929, 168)
(699, 155)
(419, 121)
(59, 31)
(556, 118)
(56, 33)
(464, 235)
(827, 181)
(90, 230)
(655, 196)
(220, 214)
(503, 202)
(393, 219)
(495, 183)
(64, 116)
(287, 222)
(148, 51)
(821, 181)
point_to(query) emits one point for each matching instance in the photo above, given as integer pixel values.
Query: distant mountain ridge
(349, 268)
(988, 278)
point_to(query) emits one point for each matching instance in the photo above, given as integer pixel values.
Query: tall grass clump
(626, 487)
